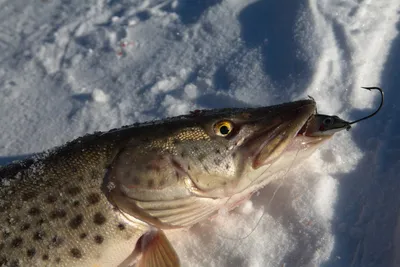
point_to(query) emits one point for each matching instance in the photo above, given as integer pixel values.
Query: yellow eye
(223, 128)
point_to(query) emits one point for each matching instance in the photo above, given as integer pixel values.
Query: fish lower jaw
(303, 142)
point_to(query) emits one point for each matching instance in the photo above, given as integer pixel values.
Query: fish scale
(55, 213)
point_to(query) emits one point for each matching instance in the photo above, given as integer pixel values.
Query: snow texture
(70, 67)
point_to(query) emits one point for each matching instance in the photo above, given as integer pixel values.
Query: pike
(106, 199)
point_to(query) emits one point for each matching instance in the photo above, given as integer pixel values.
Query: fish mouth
(283, 132)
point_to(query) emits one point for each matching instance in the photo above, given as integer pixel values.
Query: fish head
(211, 154)
(244, 149)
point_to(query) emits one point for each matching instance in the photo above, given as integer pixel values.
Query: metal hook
(376, 111)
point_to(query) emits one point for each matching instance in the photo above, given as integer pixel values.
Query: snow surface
(70, 67)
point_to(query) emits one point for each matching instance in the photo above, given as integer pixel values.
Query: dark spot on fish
(176, 141)
(40, 222)
(34, 211)
(99, 219)
(50, 199)
(98, 239)
(196, 148)
(135, 180)
(227, 166)
(206, 169)
(177, 175)
(121, 226)
(188, 167)
(156, 167)
(39, 235)
(76, 221)
(94, 174)
(5, 234)
(83, 236)
(57, 241)
(58, 260)
(76, 253)
(31, 252)
(217, 161)
(5, 206)
(201, 157)
(16, 242)
(58, 214)
(28, 195)
(93, 198)
(73, 191)
(3, 261)
(65, 201)
(152, 167)
(183, 154)
(150, 183)
(76, 203)
(45, 257)
(25, 226)
(218, 151)
(234, 154)
(162, 182)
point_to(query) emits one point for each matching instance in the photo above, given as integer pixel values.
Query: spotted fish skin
(53, 211)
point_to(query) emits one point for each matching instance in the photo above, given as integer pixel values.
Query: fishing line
(273, 195)
(227, 201)
(269, 203)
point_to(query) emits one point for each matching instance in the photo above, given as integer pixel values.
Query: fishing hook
(376, 111)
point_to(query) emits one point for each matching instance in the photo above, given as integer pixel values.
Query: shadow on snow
(369, 199)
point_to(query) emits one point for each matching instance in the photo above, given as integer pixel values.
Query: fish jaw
(267, 146)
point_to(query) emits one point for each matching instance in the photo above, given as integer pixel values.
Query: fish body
(104, 199)
(53, 211)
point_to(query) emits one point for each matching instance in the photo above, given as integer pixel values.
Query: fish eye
(223, 128)
(328, 121)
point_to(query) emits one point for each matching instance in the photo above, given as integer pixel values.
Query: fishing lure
(321, 124)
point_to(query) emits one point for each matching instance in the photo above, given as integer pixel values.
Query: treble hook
(376, 111)
(321, 124)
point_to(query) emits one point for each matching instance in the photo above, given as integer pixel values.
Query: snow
(70, 67)
(99, 96)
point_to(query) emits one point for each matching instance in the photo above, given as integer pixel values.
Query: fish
(107, 198)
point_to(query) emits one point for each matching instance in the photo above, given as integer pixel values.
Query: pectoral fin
(153, 249)
(156, 251)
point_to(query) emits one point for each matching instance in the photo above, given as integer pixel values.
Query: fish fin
(156, 251)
